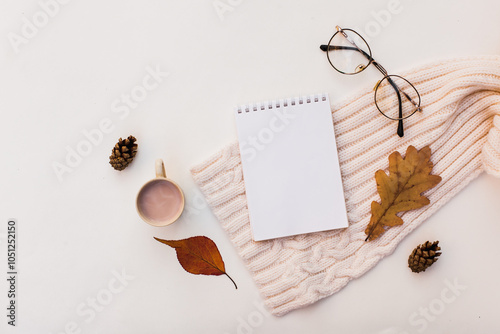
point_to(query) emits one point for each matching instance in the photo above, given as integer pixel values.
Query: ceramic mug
(160, 201)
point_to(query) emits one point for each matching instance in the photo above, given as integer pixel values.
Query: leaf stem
(232, 281)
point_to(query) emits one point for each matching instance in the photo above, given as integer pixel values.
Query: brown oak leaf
(402, 189)
(199, 256)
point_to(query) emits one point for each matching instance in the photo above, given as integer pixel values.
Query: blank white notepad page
(290, 167)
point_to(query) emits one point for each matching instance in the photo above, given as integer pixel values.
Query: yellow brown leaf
(402, 189)
(199, 256)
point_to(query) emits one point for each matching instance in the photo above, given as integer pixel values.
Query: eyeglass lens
(349, 55)
(390, 91)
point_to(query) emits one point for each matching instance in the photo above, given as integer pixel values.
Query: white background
(73, 234)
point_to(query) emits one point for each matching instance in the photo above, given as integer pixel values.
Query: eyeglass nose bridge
(379, 67)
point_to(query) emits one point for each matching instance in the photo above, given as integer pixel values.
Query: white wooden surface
(78, 233)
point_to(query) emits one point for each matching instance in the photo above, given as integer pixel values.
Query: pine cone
(424, 256)
(123, 153)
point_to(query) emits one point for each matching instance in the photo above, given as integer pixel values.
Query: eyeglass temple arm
(324, 47)
(400, 105)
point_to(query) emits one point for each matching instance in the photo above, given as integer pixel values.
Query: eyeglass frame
(379, 67)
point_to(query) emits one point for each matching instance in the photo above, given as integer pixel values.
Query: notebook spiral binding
(277, 104)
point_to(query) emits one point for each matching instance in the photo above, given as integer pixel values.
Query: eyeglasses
(395, 97)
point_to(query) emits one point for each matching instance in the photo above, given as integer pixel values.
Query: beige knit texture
(460, 122)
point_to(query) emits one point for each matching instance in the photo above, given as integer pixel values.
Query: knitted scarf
(461, 123)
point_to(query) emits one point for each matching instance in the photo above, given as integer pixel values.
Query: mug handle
(160, 169)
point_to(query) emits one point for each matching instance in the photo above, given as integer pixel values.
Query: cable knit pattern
(460, 122)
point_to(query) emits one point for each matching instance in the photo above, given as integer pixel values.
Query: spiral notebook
(290, 167)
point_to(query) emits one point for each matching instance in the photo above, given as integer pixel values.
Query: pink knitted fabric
(460, 122)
